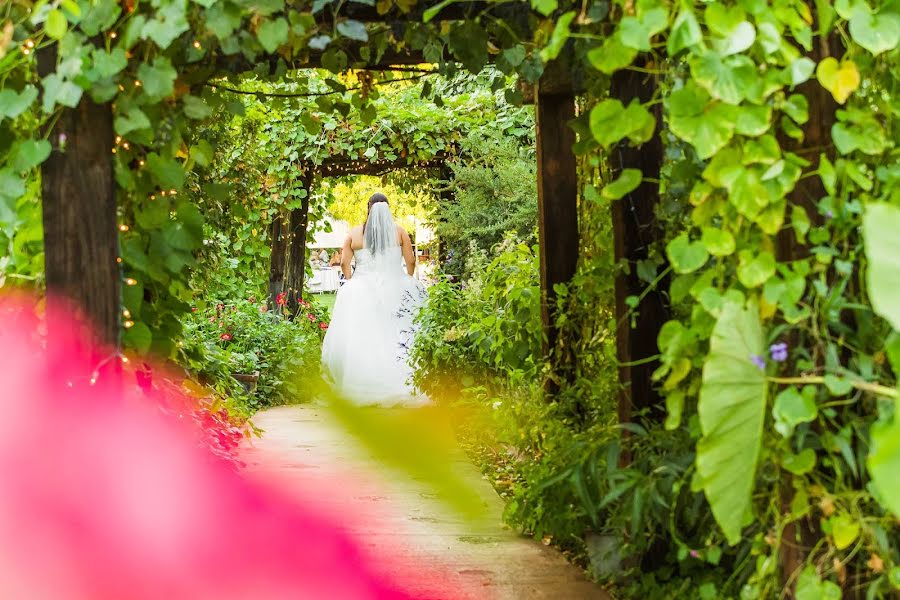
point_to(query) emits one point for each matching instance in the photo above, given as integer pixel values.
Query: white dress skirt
(365, 353)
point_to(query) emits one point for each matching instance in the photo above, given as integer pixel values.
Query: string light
(119, 260)
(113, 35)
(29, 43)
(128, 324)
(113, 150)
(137, 83)
(130, 281)
(196, 44)
(123, 227)
(141, 162)
(126, 146)
(172, 192)
(162, 193)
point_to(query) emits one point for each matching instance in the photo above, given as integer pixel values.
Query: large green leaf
(881, 222)
(686, 256)
(158, 80)
(13, 104)
(635, 32)
(272, 34)
(730, 79)
(611, 56)
(884, 460)
(685, 33)
(809, 587)
(708, 126)
(732, 409)
(876, 32)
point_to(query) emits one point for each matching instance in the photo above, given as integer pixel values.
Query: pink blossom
(106, 496)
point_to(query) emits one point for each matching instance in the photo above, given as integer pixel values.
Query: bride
(366, 347)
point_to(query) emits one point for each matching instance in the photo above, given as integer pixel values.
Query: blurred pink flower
(103, 496)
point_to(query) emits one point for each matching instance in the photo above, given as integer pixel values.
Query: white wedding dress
(366, 348)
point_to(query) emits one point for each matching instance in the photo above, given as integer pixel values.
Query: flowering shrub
(244, 336)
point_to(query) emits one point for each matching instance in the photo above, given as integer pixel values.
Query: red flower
(281, 299)
(304, 303)
(311, 317)
(193, 309)
(323, 326)
(225, 336)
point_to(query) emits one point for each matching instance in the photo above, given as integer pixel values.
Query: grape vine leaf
(732, 408)
(708, 126)
(627, 182)
(686, 256)
(876, 32)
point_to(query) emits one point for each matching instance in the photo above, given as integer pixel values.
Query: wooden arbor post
(278, 244)
(79, 216)
(557, 187)
(298, 225)
(635, 228)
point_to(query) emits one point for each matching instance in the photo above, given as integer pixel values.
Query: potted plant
(244, 368)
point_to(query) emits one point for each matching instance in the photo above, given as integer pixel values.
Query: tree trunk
(80, 232)
(635, 228)
(278, 242)
(298, 224)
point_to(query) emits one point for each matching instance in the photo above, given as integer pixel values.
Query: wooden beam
(79, 216)
(557, 186)
(635, 229)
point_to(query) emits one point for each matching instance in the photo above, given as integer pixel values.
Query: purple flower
(829, 214)
(779, 352)
(759, 361)
(62, 139)
(695, 554)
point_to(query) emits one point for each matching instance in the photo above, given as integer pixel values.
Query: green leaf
(273, 33)
(881, 222)
(468, 43)
(793, 408)
(800, 464)
(686, 256)
(732, 408)
(353, 30)
(559, 37)
(610, 122)
(158, 80)
(59, 91)
(202, 153)
(876, 32)
(27, 154)
(195, 108)
(708, 126)
(108, 64)
(837, 386)
(132, 120)
(13, 104)
(685, 33)
(627, 182)
(884, 459)
(635, 32)
(12, 185)
(56, 24)
(753, 120)
(545, 7)
(139, 337)
(801, 70)
(730, 79)
(844, 530)
(167, 172)
(753, 271)
(718, 242)
(809, 587)
(169, 23)
(611, 56)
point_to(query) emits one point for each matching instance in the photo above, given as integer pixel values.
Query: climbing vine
(780, 361)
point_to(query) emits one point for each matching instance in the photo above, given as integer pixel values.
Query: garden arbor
(554, 95)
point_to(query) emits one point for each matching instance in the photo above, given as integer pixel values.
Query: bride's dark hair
(374, 199)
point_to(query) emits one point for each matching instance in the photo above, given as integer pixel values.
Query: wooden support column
(298, 224)
(79, 216)
(635, 228)
(278, 258)
(557, 185)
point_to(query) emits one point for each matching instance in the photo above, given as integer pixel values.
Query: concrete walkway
(430, 550)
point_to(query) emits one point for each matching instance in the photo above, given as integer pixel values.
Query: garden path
(428, 551)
